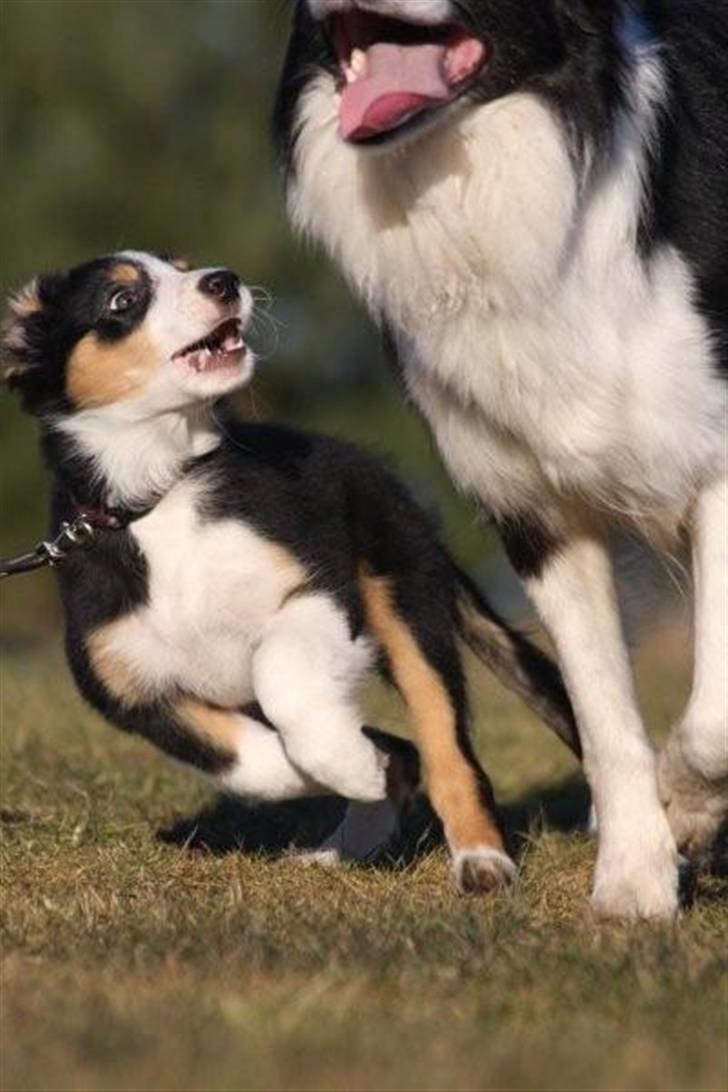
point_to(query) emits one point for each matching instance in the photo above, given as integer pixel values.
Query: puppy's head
(400, 65)
(130, 328)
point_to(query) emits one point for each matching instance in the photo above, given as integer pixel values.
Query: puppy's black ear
(25, 330)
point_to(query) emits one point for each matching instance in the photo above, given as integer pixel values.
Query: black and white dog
(248, 562)
(532, 198)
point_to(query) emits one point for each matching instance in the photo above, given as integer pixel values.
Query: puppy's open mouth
(393, 72)
(219, 349)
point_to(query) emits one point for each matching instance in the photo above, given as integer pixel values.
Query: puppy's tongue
(401, 80)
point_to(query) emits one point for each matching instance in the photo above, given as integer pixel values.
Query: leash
(75, 534)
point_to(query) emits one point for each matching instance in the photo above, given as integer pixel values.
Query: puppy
(532, 198)
(244, 562)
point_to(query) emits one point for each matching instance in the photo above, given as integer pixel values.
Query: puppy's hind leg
(425, 665)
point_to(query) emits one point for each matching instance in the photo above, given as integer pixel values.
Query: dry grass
(133, 962)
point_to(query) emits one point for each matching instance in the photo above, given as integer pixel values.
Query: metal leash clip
(72, 536)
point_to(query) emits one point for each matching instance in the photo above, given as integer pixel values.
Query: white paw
(696, 807)
(351, 768)
(324, 858)
(482, 869)
(637, 884)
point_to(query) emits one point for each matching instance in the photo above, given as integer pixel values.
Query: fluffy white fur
(263, 770)
(547, 360)
(637, 865)
(561, 376)
(217, 618)
(305, 673)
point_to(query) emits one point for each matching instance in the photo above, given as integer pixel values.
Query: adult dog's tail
(519, 664)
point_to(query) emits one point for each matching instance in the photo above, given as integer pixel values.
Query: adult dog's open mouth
(219, 349)
(392, 72)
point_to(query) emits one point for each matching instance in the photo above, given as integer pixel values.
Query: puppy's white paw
(351, 768)
(321, 856)
(482, 869)
(639, 883)
(696, 806)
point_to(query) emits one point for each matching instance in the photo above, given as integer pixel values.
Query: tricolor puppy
(252, 563)
(532, 198)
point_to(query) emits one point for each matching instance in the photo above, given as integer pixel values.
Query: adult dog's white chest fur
(550, 360)
(213, 586)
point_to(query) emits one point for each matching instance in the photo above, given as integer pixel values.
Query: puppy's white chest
(212, 588)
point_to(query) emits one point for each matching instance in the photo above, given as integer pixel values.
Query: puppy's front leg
(694, 764)
(572, 585)
(304, 675)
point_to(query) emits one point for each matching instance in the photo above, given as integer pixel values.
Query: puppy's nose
(222, 284)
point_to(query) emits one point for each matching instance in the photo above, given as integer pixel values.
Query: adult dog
(532, 198)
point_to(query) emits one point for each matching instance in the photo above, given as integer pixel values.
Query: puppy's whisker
(266, 334)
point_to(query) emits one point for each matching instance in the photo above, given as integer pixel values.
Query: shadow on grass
(228, 825)
(274, 830)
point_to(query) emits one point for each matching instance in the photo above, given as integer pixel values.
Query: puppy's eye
(121, 300)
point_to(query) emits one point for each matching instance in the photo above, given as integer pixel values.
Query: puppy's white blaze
(305, 673)
(180, 313)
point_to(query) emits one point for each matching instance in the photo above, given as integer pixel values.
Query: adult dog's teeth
(358, 62)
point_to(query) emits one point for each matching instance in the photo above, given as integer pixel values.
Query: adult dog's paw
(696, 806)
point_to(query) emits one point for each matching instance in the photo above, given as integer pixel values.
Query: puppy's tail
(519, 664)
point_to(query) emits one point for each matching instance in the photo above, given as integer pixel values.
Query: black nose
(222, 285)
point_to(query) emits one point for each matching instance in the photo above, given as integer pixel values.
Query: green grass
(132, 961)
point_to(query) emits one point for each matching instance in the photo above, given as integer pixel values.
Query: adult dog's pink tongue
(399, 81)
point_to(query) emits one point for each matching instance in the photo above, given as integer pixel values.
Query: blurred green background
(145, 123)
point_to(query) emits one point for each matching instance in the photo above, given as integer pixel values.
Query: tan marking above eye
(99, 373)
(181, 264)
(124, 273)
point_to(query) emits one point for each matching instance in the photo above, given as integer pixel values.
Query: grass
(132, 960)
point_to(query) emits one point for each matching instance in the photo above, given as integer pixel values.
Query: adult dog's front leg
(694, 764)
(572, 586)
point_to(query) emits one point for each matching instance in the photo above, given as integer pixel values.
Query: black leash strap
(77, 534)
